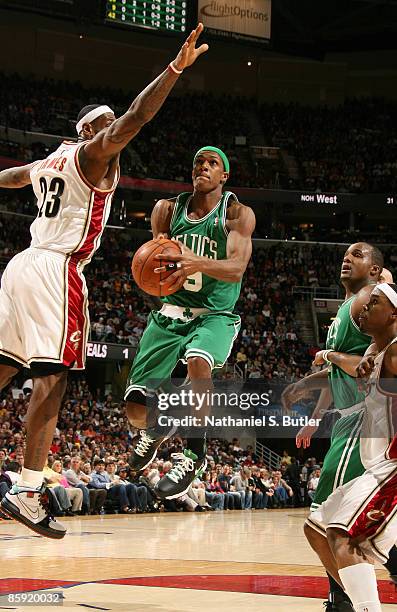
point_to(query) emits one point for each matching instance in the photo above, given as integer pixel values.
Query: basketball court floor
(233, 561)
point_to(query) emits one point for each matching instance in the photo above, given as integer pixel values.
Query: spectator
(240, 482)
(126, 500)
(234, 498)
(196, 492)
(59, 501)
(3, 457)
(286, 459)
(262, 484)
(282, 490)
(142, 494)
(214, 495)
(76, 478)
(313, 482)
(74, 494)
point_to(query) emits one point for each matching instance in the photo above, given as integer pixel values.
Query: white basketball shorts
(366, 508)
(44, 321)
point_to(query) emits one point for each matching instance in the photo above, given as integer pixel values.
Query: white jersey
(365, 507)
(72, 213)
(377, 437)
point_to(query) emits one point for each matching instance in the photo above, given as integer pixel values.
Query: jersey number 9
(194, 282)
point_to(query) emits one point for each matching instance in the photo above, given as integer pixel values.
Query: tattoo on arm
(12, 178)
(141, 111)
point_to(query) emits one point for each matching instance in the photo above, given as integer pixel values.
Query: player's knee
(7, 373)
(53, 385)
(57, 383)
(198, 368)
(61, 382)
(137, 414)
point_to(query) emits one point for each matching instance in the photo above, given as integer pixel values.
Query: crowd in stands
(165, 146)
(349, 148)
(88, 473)
(269, 345)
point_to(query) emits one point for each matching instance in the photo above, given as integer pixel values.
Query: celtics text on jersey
(206, 237)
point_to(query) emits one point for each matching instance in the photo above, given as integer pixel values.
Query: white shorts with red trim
(366, 508)
(43, 310)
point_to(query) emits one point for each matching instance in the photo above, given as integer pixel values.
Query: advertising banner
(240, 19)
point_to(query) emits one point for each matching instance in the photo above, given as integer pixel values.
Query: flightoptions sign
(238, 18)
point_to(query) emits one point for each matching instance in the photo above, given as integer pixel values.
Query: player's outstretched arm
(350, 363)
(241, 224)
(110, 141)
(12, 178)
(302, 388)
(304, 435)
(346, 362)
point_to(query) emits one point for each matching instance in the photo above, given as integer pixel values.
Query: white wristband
(173, 69)
(325, 355)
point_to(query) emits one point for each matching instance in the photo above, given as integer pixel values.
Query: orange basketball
(144, 264)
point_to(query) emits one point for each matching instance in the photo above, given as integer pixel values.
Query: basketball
(144, 264)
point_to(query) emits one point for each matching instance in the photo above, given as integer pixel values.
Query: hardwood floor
(257, 561)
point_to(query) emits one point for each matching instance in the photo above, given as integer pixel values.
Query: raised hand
(304, 436)
(319, 359)
(364, 370)
(188, 53)
(365, 367)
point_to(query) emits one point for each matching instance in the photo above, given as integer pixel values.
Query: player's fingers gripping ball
(144, 265)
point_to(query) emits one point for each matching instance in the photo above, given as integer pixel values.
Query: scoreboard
(161, 15)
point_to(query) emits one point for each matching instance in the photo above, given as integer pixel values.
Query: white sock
(30, 478)
(360, 584)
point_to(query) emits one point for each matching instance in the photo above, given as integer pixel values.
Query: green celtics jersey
(345, 336)
(206, 237)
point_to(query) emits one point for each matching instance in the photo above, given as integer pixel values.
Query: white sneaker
(31, 508)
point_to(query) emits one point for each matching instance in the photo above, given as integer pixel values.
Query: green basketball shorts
(167, 340)
(342, 463)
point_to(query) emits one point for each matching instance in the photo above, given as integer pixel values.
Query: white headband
(92, 115)
(388, 291)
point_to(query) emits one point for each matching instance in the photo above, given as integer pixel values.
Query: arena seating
(91, 427)
(349, 148)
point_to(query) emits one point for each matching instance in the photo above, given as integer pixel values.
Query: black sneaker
(176, 482)
(340, 606)
(146, 449)
(31, 508)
